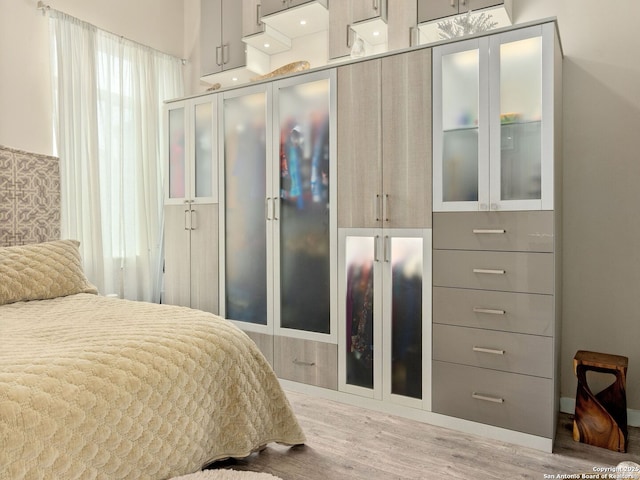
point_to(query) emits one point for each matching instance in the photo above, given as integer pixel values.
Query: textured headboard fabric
(29, 197)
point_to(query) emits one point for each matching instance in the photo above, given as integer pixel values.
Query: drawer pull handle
(488, 230)
(301, 362)
(489, 311)
(487, 398)
(492, 351)
(489, 271)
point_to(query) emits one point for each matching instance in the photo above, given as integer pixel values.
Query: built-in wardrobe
(386, 229)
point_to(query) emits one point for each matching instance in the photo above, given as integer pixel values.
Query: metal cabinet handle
(225, 53)
(387, 244)
(193, 217)
(489, 311)
(258, 16)
(303, 363)
(485, 231)
(453, 3)
(378, 208)
(276, 208)
(187, 219)
(375, 5)
(489, 271)
(487, 398)
(492, 351)
(385, 207)
(375, 248)
(218, 50)
(267, 204)
(349, 36)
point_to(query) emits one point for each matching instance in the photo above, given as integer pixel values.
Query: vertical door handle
(193, 219)
(218, 51)
(225, 53)
(349, 36)
(187, 219)
(375, 5)
(258, 7)
(453, 3)
(375, 248)
(377, 208)
(385, 207)
(387, 245)
(267, 212)
(276, 208)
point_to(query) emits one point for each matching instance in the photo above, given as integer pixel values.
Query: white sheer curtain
(108, 95)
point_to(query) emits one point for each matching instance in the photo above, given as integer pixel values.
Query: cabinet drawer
(506, 311)
(306, 361)
(503, 231)
(503, 271)
(507, 400)
(509, 352)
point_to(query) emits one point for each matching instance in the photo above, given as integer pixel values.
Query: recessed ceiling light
(376, 33)
(235, 79)
(303, 22)
(267, 45)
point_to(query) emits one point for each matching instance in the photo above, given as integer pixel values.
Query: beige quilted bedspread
(95, 387)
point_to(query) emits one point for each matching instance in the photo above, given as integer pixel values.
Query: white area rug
(224, 474)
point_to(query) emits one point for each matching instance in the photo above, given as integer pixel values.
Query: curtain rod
(45, 8)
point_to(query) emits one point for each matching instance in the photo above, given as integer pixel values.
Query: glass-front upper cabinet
(191, 172)
(494, 121)
(247, 226)
(302, 204)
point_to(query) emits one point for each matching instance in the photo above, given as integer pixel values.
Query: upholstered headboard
(29, 197)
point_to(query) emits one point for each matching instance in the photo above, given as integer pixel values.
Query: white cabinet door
(493, 120)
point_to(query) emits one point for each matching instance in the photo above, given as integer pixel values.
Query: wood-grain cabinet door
(359, 145)
(406, 140)
(204, 257)
(177, 266)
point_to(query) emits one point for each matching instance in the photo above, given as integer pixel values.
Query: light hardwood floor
(346, 442)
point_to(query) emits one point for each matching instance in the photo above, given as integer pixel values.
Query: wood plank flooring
(346, 442)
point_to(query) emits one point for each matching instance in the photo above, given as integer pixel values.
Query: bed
(101, 388)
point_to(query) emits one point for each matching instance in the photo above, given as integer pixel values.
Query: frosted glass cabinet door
(517, 108)
(245, 227)
(303, 212)
(204, 147)
(177, 154)
(404, 309)
(361, 271)
(460, 126)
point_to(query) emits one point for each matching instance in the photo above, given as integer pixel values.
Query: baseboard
(568, 405)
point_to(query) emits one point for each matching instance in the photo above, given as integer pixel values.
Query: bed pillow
(42, 270)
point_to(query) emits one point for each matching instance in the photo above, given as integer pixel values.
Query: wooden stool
(601, 419)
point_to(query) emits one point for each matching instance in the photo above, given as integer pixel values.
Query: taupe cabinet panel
(506, 311)
(384, 142)
(434, 9)
(505, 351)
(359, 153)
(191, 256)
(502, 271)
(406, 139)
(530, 231)
(221, 46)
(306, 361)
(509, 400)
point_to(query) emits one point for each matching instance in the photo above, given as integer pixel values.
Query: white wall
(25, 90)
(601, 283)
